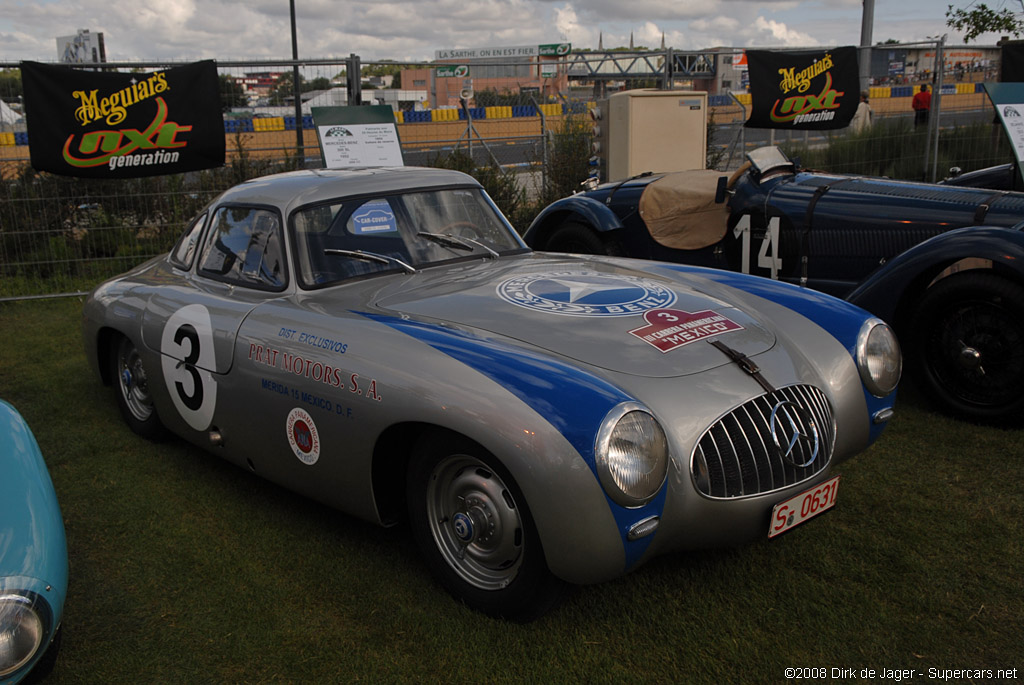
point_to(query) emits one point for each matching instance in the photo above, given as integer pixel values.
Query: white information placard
(1012, 115)
(360, 145)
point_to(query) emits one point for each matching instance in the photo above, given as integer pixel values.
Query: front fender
(910, 273)
(584, 533)
(592, 212)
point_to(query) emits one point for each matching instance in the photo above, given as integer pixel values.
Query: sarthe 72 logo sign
(803, 89)
(98, 124)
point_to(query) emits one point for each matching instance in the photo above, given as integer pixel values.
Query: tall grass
(895, 149)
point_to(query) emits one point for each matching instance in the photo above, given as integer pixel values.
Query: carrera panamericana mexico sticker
(668, 329)
(303, 436)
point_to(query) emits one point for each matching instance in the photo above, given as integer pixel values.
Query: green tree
(283, 89)
(319, 83)
(568, 159)
(383, 68)
(975, 20)
(10, 83)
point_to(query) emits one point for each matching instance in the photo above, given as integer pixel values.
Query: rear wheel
(475, 532)
(967, 348)
(133, 395)
(579, 238)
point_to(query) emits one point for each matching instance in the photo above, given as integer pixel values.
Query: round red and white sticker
(303, 436)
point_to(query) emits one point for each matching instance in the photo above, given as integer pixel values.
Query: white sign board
(360, 145)
(1012, 116)
(484, 53)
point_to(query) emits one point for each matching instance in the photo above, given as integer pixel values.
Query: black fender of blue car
(914, 271)
(595, 213)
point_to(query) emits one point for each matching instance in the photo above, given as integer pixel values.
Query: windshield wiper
(456, 242)
(370, 257)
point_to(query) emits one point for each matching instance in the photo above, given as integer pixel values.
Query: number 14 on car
(768, 254)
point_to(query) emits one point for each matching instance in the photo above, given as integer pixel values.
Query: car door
(194, 326)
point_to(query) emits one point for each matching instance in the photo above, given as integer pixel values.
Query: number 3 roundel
(187, 347)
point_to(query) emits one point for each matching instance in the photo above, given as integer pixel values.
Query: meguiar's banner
(102, 124)
(803, 89)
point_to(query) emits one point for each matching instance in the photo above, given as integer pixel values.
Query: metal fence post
(936, 112)
(354, 79)
(300, 152)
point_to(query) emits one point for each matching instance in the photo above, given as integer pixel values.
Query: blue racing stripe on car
(840, 318)
(537, 380)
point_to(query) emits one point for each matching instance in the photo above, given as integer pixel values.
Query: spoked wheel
(133, 395)
(968, 347)
(475, 532)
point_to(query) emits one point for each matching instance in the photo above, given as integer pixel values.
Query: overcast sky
(414, 29)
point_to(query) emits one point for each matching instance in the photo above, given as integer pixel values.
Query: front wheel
(967, 348)
(475, 532)
(579, 238)
(133, 395)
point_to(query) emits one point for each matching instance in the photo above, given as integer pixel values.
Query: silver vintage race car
(382, 340)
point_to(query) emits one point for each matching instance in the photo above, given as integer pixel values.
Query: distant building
(81, 48)
(538, 76)
(259, 84)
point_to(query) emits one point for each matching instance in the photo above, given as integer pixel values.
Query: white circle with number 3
(187, 347)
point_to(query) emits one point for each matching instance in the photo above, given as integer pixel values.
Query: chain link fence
(63, 235)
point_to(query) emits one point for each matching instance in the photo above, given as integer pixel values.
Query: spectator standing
(862, 117)
(921, 103)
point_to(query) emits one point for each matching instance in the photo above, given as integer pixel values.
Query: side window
(188, 244)
(244, 246)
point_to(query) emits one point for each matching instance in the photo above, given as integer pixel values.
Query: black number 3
(195, 400)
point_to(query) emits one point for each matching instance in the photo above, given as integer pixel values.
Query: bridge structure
(664, 66)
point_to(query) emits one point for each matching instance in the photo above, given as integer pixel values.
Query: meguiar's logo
(103, 147)
(803, 106)
(114, 107)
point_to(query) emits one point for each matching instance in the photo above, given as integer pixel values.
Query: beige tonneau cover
(680, 210)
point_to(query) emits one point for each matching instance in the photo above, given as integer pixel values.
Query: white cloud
(771, 33)
(414, 29)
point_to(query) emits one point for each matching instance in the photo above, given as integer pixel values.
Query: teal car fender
(33, 552)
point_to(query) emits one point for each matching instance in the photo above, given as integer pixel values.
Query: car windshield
(765, 159)
(350, 238)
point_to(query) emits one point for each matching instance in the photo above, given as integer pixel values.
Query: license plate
(806, 505)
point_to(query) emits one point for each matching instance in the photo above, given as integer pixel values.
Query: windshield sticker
(303, 436)
(372, 218)
(583, 293)
(668, 329)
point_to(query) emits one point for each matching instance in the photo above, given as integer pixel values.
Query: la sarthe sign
(547, 50)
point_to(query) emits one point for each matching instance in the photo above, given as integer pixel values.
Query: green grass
(185, 569)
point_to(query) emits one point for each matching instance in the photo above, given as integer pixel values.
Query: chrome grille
(737, 456)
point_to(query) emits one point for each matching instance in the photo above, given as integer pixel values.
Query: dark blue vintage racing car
(943, 264)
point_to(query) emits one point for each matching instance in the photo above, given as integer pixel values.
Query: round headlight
(21, 633)
(878, 358)
(632, 455)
